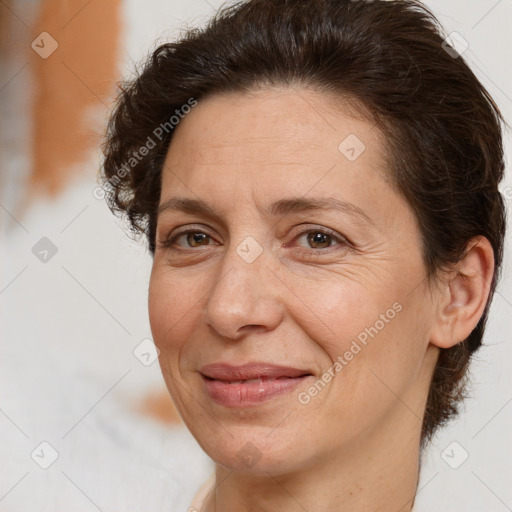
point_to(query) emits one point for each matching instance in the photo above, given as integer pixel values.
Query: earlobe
(463, 296)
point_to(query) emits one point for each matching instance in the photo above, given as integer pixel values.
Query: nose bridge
(243, 294)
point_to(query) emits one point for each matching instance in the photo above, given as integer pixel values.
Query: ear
(463, 294)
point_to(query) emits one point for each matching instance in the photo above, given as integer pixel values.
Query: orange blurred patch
(72, 85)
(159, 406)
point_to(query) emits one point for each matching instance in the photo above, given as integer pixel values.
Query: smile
(243, 393)
(249, 384)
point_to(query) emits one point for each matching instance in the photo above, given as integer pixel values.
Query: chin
(250, 452)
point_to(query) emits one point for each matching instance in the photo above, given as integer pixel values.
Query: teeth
(253, 380)
(258, 379)
(245, 381)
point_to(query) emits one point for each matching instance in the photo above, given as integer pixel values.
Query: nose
(245, 297)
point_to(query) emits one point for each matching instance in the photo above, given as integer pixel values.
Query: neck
(377, 472)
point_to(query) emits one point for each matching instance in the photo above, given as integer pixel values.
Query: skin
(301, 302)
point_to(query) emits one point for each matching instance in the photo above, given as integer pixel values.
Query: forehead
(273, 129)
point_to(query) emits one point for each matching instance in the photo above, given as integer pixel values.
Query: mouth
(250, 384)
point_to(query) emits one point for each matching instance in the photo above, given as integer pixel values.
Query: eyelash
(341, 241)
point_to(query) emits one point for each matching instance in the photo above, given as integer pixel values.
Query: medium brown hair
(390, 57)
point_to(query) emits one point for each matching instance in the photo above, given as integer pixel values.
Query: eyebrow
(279, 208)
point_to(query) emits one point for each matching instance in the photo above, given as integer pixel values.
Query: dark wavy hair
(391, 60)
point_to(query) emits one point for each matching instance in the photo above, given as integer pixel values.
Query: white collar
(202, 493)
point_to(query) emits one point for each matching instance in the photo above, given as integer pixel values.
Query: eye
(190, 238)
(318, 240)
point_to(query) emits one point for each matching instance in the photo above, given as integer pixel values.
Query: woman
(318, 184)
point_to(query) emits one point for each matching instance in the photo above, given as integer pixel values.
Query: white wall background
(68, 327)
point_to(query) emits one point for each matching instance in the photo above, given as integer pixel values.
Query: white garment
(200, 497)
(207, 488)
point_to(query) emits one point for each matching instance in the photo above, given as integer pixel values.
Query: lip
(251, 383)
(252, 370)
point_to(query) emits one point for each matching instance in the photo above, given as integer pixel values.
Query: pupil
(319, 238)
(194, 238)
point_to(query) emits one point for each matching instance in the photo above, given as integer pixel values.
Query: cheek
(372, 339)
(337, 311)
(170, 312)
(172, 317)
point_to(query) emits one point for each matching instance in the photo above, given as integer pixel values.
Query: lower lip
(246, 394)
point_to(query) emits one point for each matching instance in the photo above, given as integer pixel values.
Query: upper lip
(252, 370)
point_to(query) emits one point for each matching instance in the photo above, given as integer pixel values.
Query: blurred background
(85, 420)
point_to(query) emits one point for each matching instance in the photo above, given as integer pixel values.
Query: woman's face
(288, 248)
